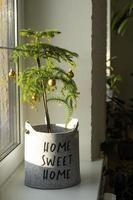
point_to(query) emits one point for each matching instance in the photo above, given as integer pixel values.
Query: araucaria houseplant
(51, 151)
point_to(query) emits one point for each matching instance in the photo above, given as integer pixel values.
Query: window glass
(9, 112)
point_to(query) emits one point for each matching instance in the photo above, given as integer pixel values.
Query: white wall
(83, 27)
(73, 19)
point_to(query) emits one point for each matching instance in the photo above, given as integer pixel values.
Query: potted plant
(112, 81)
(51, 150)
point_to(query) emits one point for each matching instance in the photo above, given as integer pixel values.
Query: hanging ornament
(51, 82)
(70, 73)
(32, 106)
(34, 97)
(12, 73)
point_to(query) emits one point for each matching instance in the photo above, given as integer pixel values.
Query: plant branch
(45, 102)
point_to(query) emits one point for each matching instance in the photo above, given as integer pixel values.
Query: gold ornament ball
(12, 73)
(70, 73)
(51, 82)
(34, 97)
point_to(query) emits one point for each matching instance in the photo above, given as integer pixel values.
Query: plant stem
(45, 102)
(47, 112)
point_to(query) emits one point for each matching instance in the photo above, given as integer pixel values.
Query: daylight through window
(9, 112)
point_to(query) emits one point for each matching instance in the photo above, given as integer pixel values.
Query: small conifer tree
(46, 79)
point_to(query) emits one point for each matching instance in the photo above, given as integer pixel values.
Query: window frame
(14, 158)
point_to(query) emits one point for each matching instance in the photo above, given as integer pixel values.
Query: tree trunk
(45, 103)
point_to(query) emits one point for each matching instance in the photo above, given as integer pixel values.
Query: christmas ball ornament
(70, 73)
(12, 73)
(51, 82)
(34, 97)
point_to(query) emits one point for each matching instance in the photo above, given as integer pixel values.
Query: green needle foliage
(46, 79)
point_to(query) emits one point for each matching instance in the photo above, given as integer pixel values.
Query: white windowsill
(88, 189)
(10, 163)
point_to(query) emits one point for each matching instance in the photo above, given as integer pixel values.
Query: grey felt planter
(52, 159)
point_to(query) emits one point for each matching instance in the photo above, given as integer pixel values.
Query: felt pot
(52, 159)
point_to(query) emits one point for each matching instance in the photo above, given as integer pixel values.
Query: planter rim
(71, 128)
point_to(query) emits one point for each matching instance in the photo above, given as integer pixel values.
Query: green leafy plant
(121, 17)
(113, 80)
(119, 118)
(46, 79)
